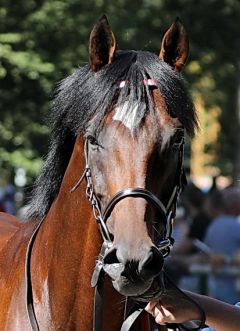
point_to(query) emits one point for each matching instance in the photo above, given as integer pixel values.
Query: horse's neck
(64, 256)
(69, 226)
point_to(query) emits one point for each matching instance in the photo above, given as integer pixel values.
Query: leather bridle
(164, 245)
(167, 212)
(167, 216)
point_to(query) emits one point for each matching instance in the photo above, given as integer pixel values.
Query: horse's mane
(85, 94)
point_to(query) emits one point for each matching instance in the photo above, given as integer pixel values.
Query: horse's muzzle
(137, 278)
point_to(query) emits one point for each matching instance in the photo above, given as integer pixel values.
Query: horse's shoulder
(7, 220)
(11, 226)
(14, 239)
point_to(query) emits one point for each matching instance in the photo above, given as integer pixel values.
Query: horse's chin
(130, 289)
(146, 292)
(155, 291)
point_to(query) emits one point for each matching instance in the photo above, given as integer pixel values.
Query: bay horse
(114, 164)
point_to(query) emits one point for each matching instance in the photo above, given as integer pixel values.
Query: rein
(28, 281)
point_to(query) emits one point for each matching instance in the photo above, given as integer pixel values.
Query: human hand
(169, 310)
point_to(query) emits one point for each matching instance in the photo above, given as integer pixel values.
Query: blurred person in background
(223, 239)
(194, 202)
(180, 226)
(176, 268)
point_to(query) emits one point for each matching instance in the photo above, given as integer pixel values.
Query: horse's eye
(179, 137)
(92, 140)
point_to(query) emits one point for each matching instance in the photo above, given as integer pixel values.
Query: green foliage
(43, 41)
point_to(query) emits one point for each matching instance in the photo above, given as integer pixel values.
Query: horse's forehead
(128, 114)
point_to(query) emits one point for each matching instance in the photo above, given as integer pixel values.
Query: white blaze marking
(127, 114)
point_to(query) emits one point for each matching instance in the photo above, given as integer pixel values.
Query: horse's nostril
(147, 263)
(153, 263)
(111, 264)
(111, 257)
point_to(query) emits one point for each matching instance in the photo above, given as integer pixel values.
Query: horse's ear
(102, 44)
(175, 46)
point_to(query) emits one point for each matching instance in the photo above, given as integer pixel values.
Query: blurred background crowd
(206, 254)
(41, 42)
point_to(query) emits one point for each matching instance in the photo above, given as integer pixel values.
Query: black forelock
(85, 94)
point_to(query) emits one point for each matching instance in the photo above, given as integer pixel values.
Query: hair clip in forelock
(123, 83)
(150, 82)
(147, 82)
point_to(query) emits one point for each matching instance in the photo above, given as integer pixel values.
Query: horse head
(133, 149)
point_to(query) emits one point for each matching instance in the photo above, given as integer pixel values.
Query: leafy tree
(42, 41)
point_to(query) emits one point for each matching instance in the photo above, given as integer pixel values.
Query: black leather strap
(128, 323)
(28, 280)
(98, 305)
